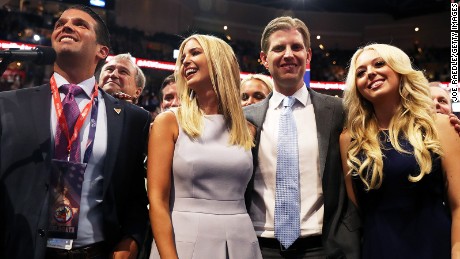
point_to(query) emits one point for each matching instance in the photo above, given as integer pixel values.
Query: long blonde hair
(224, 73)
(413, 120)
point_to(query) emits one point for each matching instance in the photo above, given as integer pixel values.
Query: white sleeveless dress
(209, 216)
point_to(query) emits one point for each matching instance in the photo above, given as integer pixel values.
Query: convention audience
(441, 98)
(329, 63)
(442, 102)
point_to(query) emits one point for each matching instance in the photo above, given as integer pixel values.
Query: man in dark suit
(328, 222)
(110, 138)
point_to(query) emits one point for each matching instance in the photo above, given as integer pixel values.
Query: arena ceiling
(396, 8)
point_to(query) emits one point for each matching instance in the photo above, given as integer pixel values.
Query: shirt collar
(301, 95)
(87, 85)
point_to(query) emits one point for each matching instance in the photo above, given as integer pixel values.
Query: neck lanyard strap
(80, 120)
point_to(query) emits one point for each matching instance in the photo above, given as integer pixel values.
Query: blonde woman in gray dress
(200, 162)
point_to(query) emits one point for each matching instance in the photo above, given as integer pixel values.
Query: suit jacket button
(41, 232)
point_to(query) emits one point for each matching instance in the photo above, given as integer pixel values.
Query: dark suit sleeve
(134, 215)
(25, 146)
(255, 114)
(341, 227)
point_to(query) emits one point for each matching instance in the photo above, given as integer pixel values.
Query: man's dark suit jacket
(25, 155)
(341, 223)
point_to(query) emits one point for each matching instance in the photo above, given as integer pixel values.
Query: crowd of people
(329, 64)
(241, 169)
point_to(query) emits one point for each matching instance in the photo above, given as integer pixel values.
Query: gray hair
(140, 77)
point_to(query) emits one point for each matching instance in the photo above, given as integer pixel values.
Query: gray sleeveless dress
(209, 216)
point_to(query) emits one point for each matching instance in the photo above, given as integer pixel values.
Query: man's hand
(126, 249)
(123, 96)
(455, 122)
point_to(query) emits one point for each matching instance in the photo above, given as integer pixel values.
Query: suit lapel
(40, 108)
(256, 114)
(260, 116)
(115, 117)
(323, 117)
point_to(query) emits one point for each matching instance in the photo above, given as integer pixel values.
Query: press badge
(59, 243)
(66, 184)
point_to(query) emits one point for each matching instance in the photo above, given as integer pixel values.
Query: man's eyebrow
(60, 20)
(81, 20)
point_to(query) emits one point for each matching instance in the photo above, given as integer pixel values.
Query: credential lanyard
(62, 121)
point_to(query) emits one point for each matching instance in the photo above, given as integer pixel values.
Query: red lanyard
(61, 117)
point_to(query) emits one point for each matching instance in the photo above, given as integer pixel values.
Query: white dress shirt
(90, 223)
(311, 202)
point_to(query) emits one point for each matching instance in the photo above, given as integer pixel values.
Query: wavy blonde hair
(224, 73)
(413, 120)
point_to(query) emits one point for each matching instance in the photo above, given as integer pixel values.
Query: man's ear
(103, 52)
(309, 56)
(263, 58)
(138, 92)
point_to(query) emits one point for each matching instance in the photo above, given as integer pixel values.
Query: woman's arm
(162, 139)
(344, 144)
(450, 143)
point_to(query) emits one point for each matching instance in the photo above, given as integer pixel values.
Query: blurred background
(151, 30)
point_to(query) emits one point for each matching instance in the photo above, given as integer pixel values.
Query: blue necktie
(287, 204)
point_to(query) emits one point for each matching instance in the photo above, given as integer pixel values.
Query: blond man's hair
(284, 23)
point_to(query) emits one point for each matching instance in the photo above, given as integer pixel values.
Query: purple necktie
(71, 113)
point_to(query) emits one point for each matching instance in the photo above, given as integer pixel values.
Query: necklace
(386, 137)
